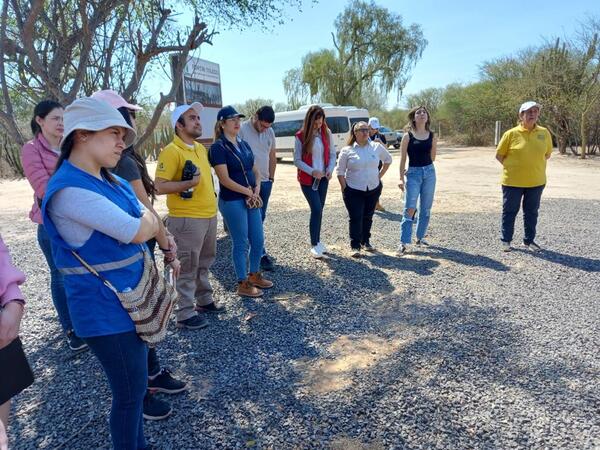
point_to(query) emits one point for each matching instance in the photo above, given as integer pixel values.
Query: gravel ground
(457, 346)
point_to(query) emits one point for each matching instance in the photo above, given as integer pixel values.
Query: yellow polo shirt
(203, 203)
(525, 155)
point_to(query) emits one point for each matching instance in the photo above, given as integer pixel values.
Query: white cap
(94, 115)
(181, 109)
(374, 123)
(528, 105)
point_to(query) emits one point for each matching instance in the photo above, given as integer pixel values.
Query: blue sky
(461, 33)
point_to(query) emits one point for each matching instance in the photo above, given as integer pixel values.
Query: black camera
(188, 172)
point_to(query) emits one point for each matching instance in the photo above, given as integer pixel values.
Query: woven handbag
(149, 305)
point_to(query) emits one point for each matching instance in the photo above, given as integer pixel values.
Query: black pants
(511, 203)
(361, 206)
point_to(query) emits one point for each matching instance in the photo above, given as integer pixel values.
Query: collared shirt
(525, 153)
(203, 203)
(318, 162)
(261, 145)
(360, 164)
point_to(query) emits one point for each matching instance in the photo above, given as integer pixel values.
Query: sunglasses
(362, 130)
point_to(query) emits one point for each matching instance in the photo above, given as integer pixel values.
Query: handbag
(251, 203)
(149, 304)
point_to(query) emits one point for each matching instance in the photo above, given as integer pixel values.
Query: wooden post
(497, 132)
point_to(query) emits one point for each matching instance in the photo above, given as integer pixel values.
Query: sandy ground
(468, 181)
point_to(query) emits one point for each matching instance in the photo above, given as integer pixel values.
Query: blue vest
(95, 310)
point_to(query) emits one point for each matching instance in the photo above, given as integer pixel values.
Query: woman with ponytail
(39, 157)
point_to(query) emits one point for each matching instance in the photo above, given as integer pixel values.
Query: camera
(188, 172)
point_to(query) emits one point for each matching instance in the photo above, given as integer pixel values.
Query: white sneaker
(316, 252)
(506, 246)
(402, 250)
(355, 252)
(322, 247)
(533, 247)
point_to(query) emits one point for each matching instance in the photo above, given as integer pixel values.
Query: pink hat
(114, 100)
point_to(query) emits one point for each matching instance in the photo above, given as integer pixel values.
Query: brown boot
(259, 281)
(247, 289)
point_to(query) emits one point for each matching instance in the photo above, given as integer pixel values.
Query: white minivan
(339, 120)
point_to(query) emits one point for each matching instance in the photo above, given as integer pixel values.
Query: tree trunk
(562, 144)
(583, 132)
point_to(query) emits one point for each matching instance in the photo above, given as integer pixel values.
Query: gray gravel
(474, 348)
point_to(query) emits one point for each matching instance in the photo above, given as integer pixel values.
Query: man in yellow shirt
(192, 214)
(523, 151)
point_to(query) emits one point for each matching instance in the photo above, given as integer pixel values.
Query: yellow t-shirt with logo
(203, 203)
(525, 155)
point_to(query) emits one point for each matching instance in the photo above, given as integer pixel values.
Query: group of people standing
(94, 203)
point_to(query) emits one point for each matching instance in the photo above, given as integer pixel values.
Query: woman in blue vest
(314, 156)
(88, 210)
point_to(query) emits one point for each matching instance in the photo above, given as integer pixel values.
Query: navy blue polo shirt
(221, 152)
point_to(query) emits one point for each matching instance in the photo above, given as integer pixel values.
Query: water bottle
(315, 185)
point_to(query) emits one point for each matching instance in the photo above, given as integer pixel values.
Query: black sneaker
(210, 308)
(193, 323)
(166, 383)
(266, 263)
(75, 342)
(155, 408)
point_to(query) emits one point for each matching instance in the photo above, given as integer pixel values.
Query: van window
(287, 127)
(353, 120)
(337, 124)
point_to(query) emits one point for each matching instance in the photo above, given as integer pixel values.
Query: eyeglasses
(234, 119)
(362, 130)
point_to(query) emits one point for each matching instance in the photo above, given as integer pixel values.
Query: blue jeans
(246, 230)
(511, 203)
(57, 285)
(420, 185)
(265, 194)
(316, 202)
(123, 357)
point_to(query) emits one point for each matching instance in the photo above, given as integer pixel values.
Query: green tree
(62, 49)
(250, 106)
(431, 98)
(372, 55)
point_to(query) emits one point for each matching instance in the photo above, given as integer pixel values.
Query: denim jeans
(57, 286)
(265, 194)
(511, 203)
(246, 230)
(361, 207)
(123, 357)
(316, 202)
(420, 185)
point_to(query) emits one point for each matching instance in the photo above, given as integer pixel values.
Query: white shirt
(318, 163)
(261, 145)
(360, 165)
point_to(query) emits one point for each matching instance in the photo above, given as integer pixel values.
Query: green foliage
(373, 55)
(250, 106)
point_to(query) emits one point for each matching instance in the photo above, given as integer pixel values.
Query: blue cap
(228, 112)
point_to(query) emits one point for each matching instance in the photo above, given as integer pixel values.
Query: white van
(339, 120)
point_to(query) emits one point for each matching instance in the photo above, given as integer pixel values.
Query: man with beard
(183, 173)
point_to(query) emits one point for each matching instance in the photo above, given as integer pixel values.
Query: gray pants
(196, 249)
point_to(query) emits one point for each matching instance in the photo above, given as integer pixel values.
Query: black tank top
(419, 151)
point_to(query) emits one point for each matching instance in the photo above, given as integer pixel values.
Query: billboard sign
(201, 82)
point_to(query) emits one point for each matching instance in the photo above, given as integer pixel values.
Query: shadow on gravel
(418, 266)
(457, 363)
(574, 262)
(464, 258)
(389, 215)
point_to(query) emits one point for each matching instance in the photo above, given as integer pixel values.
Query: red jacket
(39, 162)
(303, 177)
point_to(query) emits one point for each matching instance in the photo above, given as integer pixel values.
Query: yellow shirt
(203, 203)
(525, 155)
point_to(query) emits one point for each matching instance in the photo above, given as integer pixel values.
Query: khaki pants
(196, 249)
